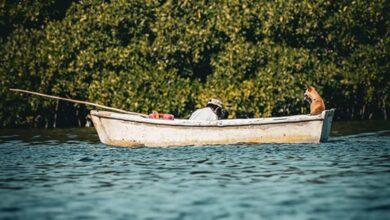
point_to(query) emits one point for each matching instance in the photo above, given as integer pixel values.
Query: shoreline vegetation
(172, 56)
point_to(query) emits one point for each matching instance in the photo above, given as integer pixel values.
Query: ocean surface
(69, 174)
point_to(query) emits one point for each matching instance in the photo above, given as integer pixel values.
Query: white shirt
(204, 114)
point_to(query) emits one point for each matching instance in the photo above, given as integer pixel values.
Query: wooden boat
(134, 130)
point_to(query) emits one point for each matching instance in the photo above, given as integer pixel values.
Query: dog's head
(309, 94)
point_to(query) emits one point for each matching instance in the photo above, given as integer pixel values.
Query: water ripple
(67, 178)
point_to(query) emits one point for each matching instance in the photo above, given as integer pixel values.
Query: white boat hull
(130, 130)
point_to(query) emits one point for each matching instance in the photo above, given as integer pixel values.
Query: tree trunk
(384, 109)
(56, 114)
(78, 117)
(363, 111)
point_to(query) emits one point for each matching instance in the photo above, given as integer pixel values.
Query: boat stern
(327, 124)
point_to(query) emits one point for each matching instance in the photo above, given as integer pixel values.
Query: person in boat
(212, 111)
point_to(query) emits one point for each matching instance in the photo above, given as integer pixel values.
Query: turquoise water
(68, 174)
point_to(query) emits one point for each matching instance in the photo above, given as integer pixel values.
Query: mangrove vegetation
(257, 56)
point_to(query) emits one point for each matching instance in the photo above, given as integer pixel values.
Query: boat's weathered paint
(130, 130)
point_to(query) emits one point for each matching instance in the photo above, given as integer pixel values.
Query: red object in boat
(168, 116)
(156, 115)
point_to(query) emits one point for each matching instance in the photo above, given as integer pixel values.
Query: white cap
(215, 102)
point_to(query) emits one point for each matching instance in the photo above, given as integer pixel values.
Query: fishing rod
(79, 102)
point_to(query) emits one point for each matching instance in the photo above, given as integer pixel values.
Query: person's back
(212, 111)
(204, 114)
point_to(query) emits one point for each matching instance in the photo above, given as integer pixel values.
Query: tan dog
(317, 105)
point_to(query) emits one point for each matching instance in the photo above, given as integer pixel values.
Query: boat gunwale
(161, 122)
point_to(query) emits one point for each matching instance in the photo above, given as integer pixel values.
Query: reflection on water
(68, 174)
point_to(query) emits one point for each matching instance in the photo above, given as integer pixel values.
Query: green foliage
(171, 56)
